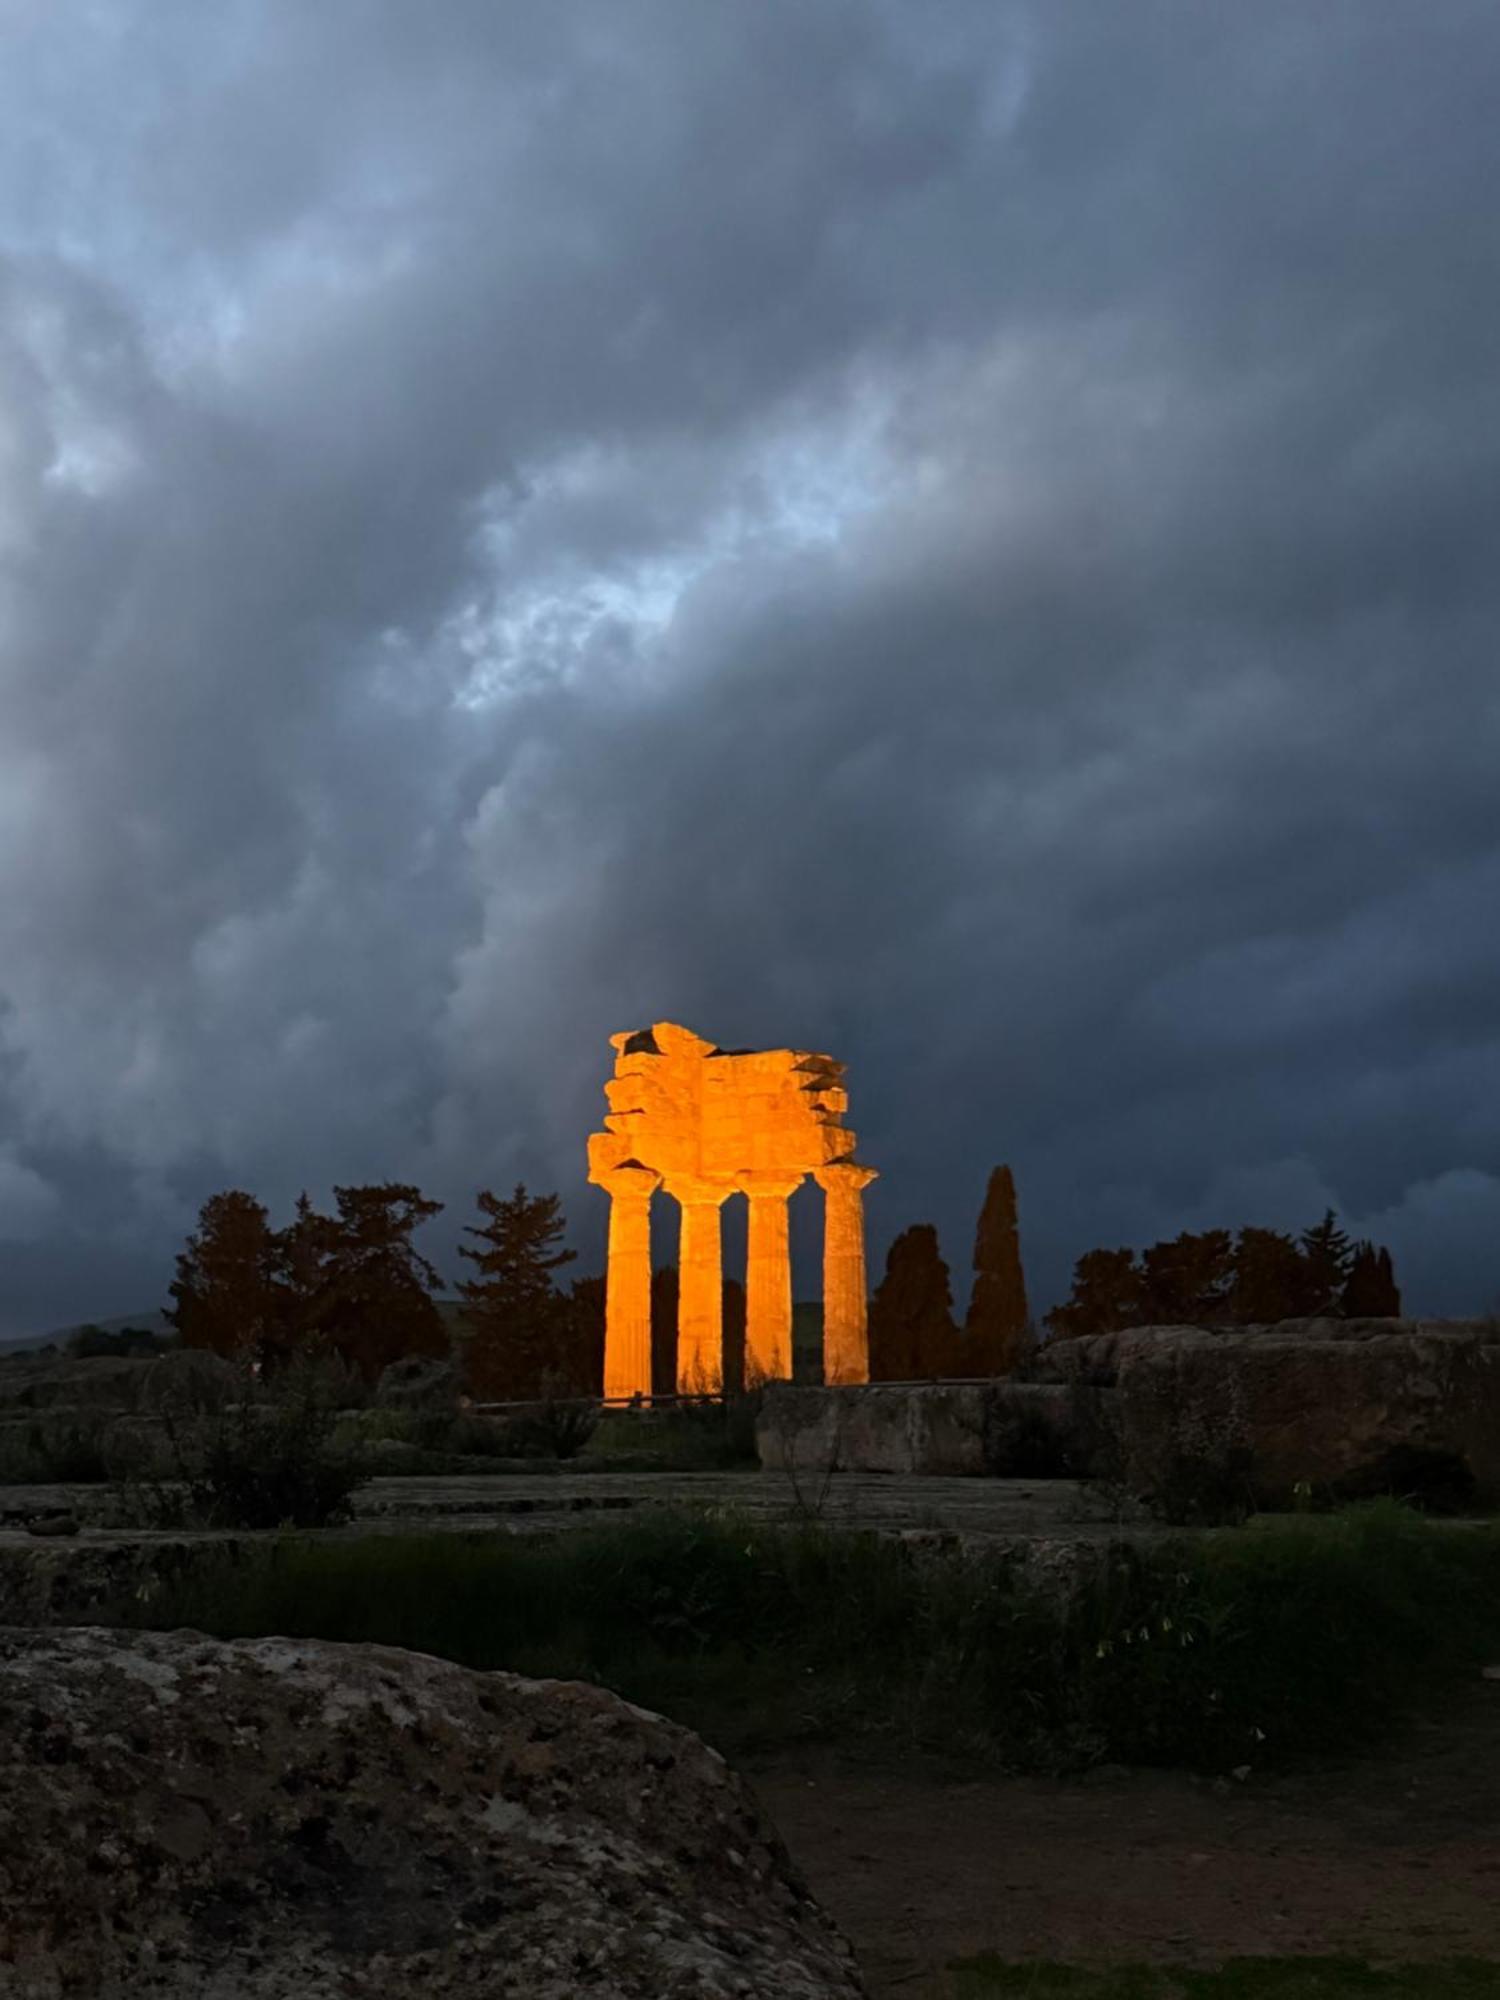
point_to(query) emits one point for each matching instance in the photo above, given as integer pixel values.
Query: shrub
(557, 1427)
(268, 1459)
(68, 1446)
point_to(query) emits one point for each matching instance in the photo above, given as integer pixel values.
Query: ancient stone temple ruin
(705, 1123)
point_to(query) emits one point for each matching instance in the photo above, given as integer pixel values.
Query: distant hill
(21, 1343)
(157, 1322)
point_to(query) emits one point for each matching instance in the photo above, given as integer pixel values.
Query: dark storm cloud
(964, 540)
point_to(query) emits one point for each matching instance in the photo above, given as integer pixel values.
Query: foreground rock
(263, 1819)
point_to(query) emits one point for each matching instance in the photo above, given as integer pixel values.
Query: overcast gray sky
(961, 536)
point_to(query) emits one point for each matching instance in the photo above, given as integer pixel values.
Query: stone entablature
(704, 1123)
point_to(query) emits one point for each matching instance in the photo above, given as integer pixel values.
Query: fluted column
(627, 1284)
(768, 1276)
(846, 1338)
(700, 1287)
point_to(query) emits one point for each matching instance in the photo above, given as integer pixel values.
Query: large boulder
(418, 1382)
(1349, 1407)
(49, 1382)
(188, 1378)
(183, 1818)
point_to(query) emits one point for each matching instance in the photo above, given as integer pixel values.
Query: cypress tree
(1370, 1290)
(997, 1323)
(912, 1335)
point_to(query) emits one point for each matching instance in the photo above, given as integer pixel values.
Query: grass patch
(990, 1978)
(684, 1437)
(1247, 1650)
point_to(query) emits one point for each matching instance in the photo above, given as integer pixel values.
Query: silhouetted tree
(1388, 1279)
(1329, 1256)
(373, 1303)
(734, 1337)
(912, 1335)
(996, 1328)
(1271, 1279)
(1370, 1289)
(302, 1257)
(664, 1290)
(224, 1290)
(518, 1316)
(127, 1342)
(1187, 1282)
(1107, 1294)
(580, 1370)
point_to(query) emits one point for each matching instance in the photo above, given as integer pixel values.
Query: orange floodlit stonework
(705, 1123)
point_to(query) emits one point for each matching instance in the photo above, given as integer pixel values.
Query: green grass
(712, 1437)
(1246, 1649)
(989, 1978)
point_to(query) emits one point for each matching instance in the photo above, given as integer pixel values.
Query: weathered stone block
(1003, 1428)
(871, 1428)
(1347, 1413)
(947, 1427)
(1050, 1430)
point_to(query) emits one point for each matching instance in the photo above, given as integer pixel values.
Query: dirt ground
(1394, 1858)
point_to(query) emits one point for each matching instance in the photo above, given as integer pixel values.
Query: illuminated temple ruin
(705, 1123)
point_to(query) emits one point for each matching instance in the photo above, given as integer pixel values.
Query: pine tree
(302, 1256)
(225, 1285)
(517, 1314)
(996, 1327)
(1328, 1255)
(374, 1301)
(912, 1335)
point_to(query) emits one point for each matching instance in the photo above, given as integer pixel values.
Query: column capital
(848, 1176)
(698, 1190)
(628, 1179)
(767, 1183)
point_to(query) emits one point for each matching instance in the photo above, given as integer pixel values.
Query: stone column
(700, 1287)
(846, 1337)
(627, 1284)
(768, 1276)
